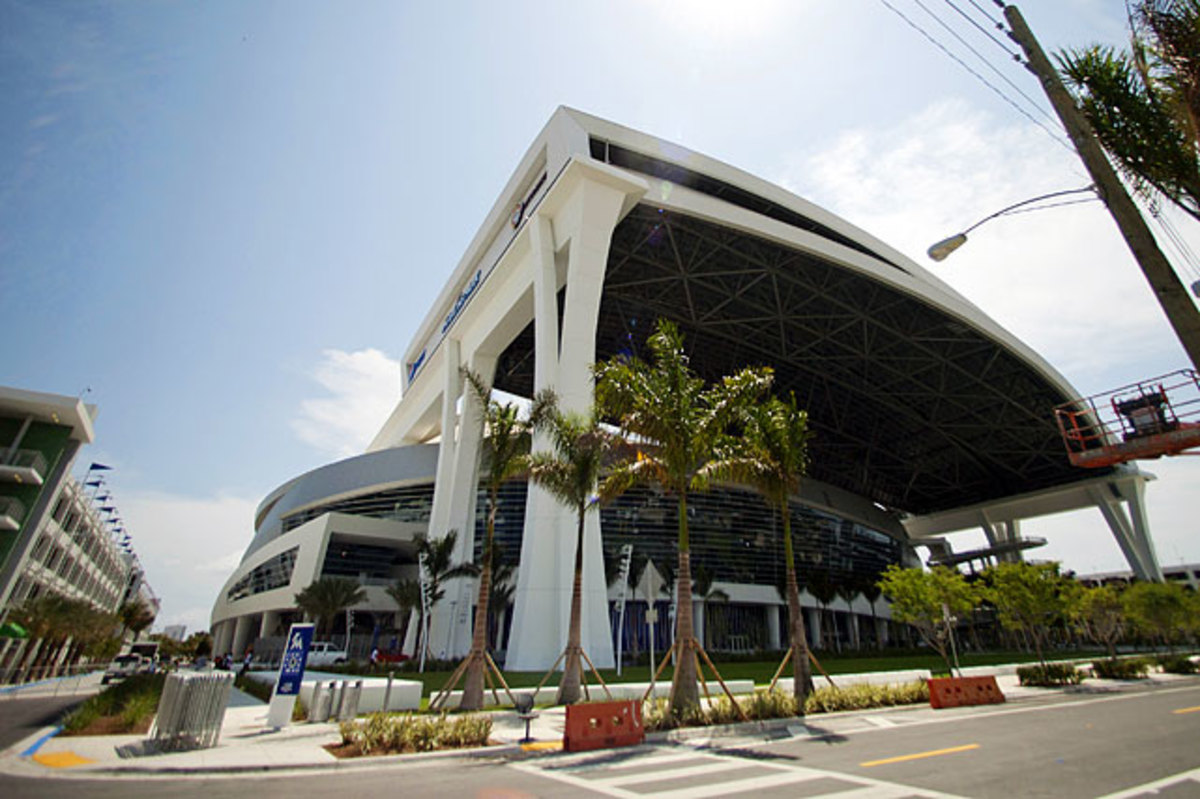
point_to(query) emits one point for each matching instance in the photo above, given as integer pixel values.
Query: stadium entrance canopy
(922, 407)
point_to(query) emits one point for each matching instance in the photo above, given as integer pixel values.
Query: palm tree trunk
(472, 695)
(570, 689)
(685, 693)
(801, 670)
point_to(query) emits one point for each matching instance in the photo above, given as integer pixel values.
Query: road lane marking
(1195, 709)
(919, 755)
(1179, 779)
(599, 779)
(1008, 711)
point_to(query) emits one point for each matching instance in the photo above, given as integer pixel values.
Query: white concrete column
(460, 597)
(241, 635)
(443, 488)
(223, 637)
(270, 619)
(813, 627)
(773, 636)
(580, 215)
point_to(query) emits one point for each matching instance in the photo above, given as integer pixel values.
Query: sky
(222, 222)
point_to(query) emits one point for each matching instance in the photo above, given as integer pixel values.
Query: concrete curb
(42, 738)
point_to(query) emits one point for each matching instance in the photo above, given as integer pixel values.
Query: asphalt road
(21, 718)
(1086, 744)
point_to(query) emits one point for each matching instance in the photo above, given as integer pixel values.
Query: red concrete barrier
(963, 691)
(603, 725)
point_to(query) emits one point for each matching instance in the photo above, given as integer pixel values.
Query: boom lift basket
(1149, 419)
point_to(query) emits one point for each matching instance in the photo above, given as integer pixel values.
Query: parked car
(325, 653)
(126, 665)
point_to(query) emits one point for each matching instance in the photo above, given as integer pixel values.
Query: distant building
(1186, 574)
(56, 536)
(176, 632)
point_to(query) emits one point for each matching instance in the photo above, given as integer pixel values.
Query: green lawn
(760, 671)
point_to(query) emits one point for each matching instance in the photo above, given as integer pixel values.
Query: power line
(982, 57)
(1008, 51)
(1187, 256)
(983, 11)
(1056, 137)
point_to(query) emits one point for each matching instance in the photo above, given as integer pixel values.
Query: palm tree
(438, 555)
(325, 598)
(824, 590)
(1144, 106)
(583, 450)
(135, 615)
(772, 456)
(505, 446)
(869, 588)
(677, 421)
(407, 596)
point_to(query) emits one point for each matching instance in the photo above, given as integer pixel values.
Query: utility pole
(1167, 287)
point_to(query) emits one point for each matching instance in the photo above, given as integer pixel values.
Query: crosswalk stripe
(735, 786)
(597, 760)
(778, 775)
(710, 767)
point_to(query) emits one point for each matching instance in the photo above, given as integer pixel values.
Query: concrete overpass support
(1124, 508)
(1003, 532)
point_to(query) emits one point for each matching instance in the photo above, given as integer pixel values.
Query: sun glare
(720, 19)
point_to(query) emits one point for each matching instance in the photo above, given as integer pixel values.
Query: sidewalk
(246, 746)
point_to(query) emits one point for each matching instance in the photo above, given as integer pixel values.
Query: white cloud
(365, 387)
(188, 546)
(1061, 279)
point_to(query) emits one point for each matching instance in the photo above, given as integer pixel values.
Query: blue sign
(295, 656)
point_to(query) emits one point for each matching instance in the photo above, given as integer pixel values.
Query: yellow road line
(919, 755)
(1195, 709)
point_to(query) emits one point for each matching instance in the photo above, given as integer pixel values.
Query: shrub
(385, 733)
(1178, 664)
(722, 711)
(1128, 669)
(863, 696)
(1050, 675)
(656, 715)
(765, 705)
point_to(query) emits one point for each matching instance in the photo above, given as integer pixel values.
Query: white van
(325, 653)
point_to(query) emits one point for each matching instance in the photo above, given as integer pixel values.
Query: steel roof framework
(911, 407)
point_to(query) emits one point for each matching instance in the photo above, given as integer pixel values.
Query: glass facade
(273, 573)
(735, 537)
(405, 504)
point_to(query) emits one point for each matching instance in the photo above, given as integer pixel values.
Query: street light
(943, 248)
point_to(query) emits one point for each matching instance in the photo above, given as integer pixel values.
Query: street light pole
(1166, 285)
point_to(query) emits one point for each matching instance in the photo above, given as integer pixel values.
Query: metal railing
(44, 681)
(191, 711)
(1147, 419)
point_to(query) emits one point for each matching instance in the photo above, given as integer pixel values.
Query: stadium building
(929, 418)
